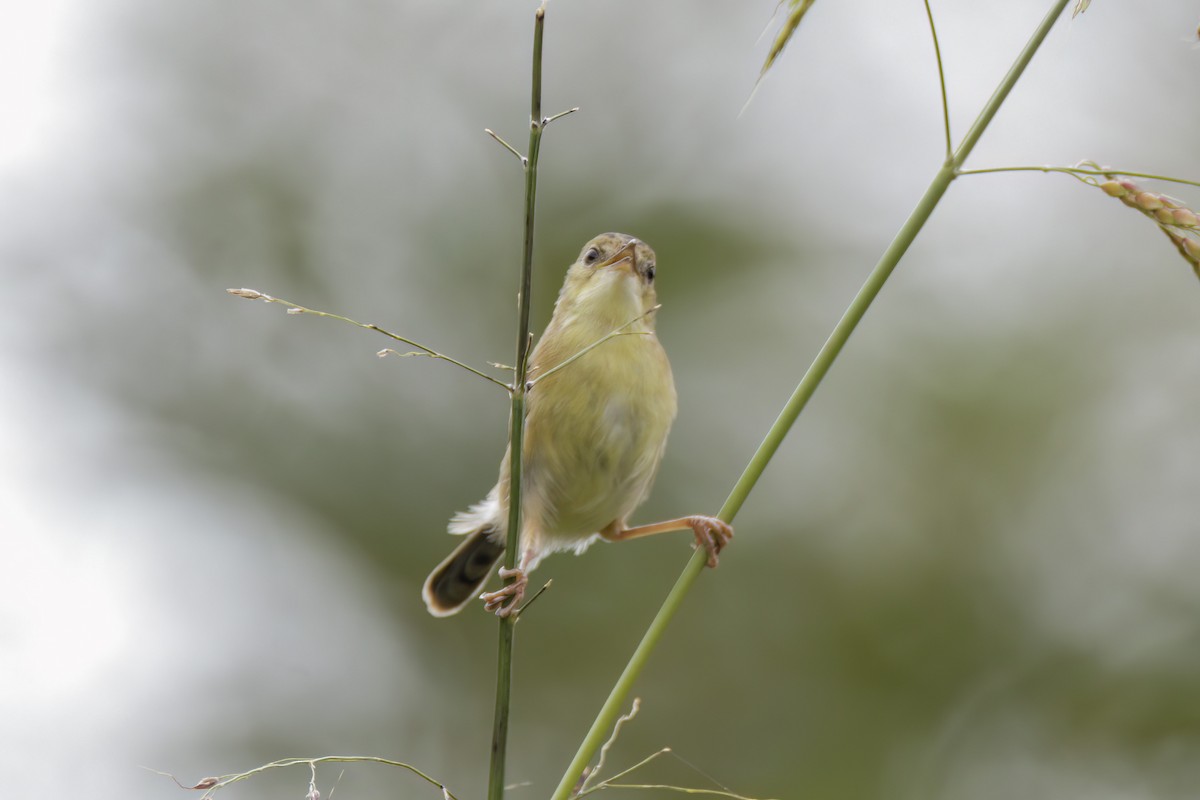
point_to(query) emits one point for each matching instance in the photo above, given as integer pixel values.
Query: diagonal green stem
(808, 384)
(296, 308)
(517, 418)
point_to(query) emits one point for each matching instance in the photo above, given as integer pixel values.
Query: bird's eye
(650, 273)
(591, 256)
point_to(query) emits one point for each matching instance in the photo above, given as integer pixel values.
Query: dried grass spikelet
(796, 11)
(1178, 223)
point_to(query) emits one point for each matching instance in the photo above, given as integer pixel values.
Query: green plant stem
(216, 784)
(517, 419)
(808, 384)
(937, 51)
(296, 308)
(1077, 171)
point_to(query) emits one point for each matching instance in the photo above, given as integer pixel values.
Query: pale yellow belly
(593, 446)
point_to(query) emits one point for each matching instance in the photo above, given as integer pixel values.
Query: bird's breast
(595, 433)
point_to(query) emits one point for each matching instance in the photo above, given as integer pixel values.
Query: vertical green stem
(808, 384)
(517, 420)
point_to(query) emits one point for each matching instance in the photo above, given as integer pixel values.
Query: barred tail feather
(458, 579)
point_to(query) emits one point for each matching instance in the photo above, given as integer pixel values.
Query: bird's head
(612, 280)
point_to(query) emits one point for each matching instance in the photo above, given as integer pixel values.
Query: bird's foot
(712, 535)
(505, 600)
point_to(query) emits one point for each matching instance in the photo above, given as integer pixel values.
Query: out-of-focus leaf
(796, 13)
(1080, 7)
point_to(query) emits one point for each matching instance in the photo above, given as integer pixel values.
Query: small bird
(595, 432)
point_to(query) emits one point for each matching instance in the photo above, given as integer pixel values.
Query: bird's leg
(711, 533)
(505, 600)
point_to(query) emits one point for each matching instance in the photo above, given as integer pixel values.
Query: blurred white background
(969, 573)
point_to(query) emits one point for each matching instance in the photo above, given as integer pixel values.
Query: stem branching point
(505, 144)
(559, 115)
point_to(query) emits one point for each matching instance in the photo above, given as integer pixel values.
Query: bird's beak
(625, 258)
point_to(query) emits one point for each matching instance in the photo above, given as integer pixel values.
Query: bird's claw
(712, 534)
(505, 600)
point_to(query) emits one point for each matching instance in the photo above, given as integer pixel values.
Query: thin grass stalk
(517, 420)
(807, 386)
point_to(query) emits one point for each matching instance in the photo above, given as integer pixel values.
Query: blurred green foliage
(970, 572)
